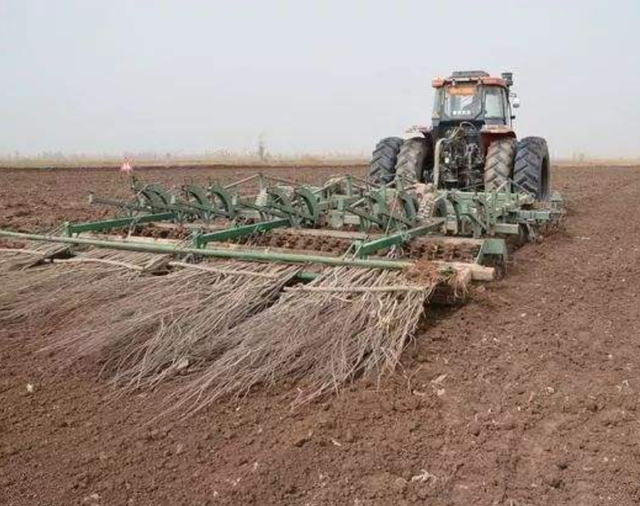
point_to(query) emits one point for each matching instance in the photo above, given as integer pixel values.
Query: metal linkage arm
(367, 248)
(201, 240)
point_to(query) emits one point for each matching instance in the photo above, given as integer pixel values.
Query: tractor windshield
(468, 101)
(461, 101)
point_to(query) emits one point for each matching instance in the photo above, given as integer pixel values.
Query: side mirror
(515, 102)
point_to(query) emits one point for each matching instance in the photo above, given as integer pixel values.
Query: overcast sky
(111, 76)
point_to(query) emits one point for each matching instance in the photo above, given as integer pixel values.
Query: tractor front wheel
(383, 161)
(532, 171)
(498, 164)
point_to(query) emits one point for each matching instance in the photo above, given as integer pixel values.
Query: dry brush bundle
(346, 323)
(60, 289)
(157, 329)
(15, 257)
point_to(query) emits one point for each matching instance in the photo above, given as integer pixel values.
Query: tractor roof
(474, 76)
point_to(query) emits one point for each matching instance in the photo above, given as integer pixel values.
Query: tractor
(471, 143)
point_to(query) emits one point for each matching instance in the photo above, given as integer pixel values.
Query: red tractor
(471, 143)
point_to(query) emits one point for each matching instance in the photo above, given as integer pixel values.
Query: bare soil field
(527, 395)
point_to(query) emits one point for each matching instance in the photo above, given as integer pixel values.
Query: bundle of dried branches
(157, 328)
(346, 323)
(17, 257)
(51, 293)
(230, 322)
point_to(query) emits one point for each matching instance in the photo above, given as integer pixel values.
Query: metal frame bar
(97, 226)
(236, 232)
(248, 255)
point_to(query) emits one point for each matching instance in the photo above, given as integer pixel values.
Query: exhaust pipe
(436, 164)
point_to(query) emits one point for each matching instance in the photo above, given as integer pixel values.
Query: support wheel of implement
(499, 163)
(414, 161)
(383, 162)
(532, 171)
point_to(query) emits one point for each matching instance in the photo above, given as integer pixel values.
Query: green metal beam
(98, 226)
(248, 255)
(367, 248)
(233, 233)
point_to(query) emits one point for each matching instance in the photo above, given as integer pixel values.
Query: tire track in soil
(528, 395)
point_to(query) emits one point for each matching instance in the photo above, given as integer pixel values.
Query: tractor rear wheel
(413, 161)
(498, 165)
(383, 161)
(532, 168)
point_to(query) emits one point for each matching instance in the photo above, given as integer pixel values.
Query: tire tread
(530, 157)
(499, 162)
(384, 159)
(411, 160)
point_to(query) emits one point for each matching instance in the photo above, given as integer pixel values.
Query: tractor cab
(473, 96)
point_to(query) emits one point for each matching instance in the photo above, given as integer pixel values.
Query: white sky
(314, 76)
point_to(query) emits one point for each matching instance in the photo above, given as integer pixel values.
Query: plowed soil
(527, 395)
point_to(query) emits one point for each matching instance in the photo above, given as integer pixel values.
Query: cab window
(494, 103)
(462, 101)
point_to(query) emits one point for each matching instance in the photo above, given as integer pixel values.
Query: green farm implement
(249, 283)
(368, 225)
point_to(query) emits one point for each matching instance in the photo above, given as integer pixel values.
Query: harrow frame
(377, 220)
